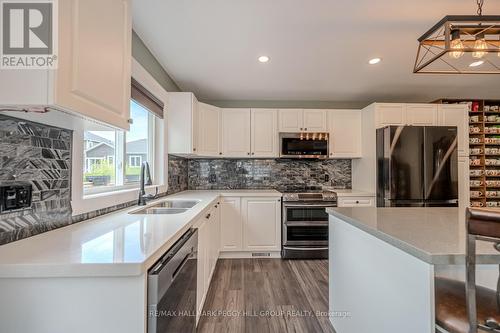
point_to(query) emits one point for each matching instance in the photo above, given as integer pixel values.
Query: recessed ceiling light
(374, 61)
(476, 63)
(263, 58)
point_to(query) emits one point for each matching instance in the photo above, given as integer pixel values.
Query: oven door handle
(286, 205)
(306, 223)
(305, 248)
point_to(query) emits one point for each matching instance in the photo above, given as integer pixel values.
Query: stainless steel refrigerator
(417, 166)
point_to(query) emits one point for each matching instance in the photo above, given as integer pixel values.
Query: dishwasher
(172, 288)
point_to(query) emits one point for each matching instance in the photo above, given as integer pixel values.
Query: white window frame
(134, 158)
(83, 204)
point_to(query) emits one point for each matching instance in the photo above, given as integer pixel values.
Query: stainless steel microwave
(304, 145)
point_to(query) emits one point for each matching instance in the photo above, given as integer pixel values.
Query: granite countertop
(434, 235)
(116, 244)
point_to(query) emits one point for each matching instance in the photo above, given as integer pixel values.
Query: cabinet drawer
(356, 202)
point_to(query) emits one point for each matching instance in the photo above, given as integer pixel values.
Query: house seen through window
(113, 158)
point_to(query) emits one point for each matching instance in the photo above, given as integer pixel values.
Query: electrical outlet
(212, 178)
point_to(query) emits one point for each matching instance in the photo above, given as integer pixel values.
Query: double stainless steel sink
(168, 207)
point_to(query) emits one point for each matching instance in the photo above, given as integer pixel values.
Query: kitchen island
(383, 262)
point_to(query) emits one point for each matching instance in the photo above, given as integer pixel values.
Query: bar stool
(464, 307)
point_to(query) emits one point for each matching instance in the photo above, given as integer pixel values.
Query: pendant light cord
(480, 7)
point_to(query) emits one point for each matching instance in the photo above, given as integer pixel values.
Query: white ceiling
(318, 48)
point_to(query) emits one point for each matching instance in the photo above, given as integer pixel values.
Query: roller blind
(143, 97)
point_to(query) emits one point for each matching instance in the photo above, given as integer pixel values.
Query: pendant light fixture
(461, 44)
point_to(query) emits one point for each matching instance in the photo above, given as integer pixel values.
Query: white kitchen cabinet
(214, 241)
(264, 133)
(182, 122)
(236, 132)
(261, 224)
(209, 131)
(231, 224)
(346, 201)
(299, 120)
(94, 65)
(422, 114)
(456, 115)
(202, 269)
(463, 182)
(290, 120)
(345, 133)
(314, 120)
(390, 114)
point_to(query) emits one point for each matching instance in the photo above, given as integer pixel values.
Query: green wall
(142, 54)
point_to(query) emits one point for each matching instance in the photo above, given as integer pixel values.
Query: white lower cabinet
(356, 202)
(208, 253)
(231, 224)
(261, 227)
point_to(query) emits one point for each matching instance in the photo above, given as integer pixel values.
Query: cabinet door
(463, 182)
(208, 130)
(231, 224)
(264, 133)
(236, 132)
(456, 115)
(315, 120)
(422, 114)
(261, 224)
(390, 114)
(290, 120)
(345, 133)
(202, 263)
(93, 77)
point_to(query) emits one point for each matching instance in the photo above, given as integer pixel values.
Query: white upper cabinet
(299, 120)
(264, 137)
(290, 120)
(182, 122)
(422, 114)
(209, 130)
(94, 65)
(236, 132)
(345, 133)
(456, 115)
(261, 224)
(315, 120)
(390, 114)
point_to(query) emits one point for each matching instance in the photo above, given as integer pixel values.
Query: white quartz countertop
(434, 235)
(116, 244)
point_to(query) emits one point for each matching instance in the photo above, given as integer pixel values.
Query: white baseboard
(246, 255)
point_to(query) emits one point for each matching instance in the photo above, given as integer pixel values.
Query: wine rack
(484, 151)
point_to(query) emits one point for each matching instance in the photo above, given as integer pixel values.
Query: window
(134, 161)
(138, 142)
(112, 159)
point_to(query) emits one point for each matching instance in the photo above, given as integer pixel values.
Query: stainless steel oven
(304, 145)
(305, 229)
(172, 288)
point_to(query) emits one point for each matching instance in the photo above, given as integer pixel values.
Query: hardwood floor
(267, 295)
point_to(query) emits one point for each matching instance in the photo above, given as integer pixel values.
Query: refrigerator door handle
(442, 163)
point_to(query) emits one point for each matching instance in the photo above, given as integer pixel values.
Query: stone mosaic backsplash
(279, 174)
(41, 156)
